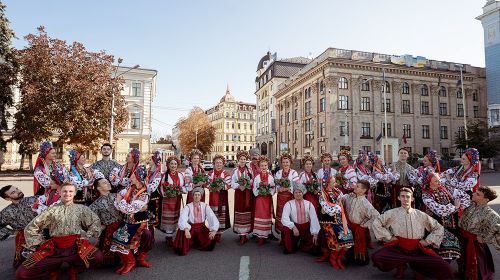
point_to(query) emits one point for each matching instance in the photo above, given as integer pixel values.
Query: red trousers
(291, 242)
(199, 240)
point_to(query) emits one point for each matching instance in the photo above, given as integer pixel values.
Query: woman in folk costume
(152, 182)
(326, 172)
(120, 178)
(263, 190)
(417, 178)
(309, 179)
(465, 177)
(45, 163)
(52, 195)
(335, 237)
(220, 182)
(346, 175)
(385, 179)
(364, 172)
(241, 182)
(173, 185)
(444, 205)
(133, 236)
(195, 174)
(284, 179)
(192, 230)
(82, 178)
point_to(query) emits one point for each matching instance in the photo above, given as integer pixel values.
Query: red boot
(243, 240)
(400, 273)
(141, 260)
(324, 257)
(261, 241)
(129, 264)
(123, 259)
(340, 256)
(72, 274)
(334, 255)
(54, 275)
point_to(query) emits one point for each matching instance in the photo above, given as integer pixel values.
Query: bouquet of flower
(171, 191)
(312, 186)
(244, 182)
(217, 185)
(200, 178)
(264, 188)
(284, 183)
(340, 180)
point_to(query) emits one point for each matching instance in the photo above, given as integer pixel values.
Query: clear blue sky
(200, 46)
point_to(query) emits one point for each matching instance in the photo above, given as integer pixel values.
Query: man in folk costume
(326, 173)
(346, 174)
(444, 205)
(16, 216)
(111, 218)
(417, 178)
(254, 157)
(52, 195)
(106, 164)
(241, 182)
(284, 179)
(195, 174)
(309, 179)
(45, 164)
(405, 228)
(192, 230)
(335, 236)
(81, 177)
(300, 223)
(220, 182)
(133, 236)
(479, 226)
(385, 179)
(120, 177)
(405, 170)
(65, 222)
(364, 172)
(360, 214)
(173, 185)
(263, 190)
(465, 177)
(152, 182)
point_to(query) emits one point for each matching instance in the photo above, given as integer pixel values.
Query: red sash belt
(20, 241)
(411, 245)
(303, 227)
(471, 255)
(360, 238)
(197, 225)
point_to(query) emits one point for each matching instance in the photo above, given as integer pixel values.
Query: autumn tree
(196, 131)
(66, 92)
(478, 136)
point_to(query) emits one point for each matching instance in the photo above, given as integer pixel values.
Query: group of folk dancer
(424, 217)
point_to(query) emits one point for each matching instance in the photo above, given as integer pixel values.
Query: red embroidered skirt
(170, 212)
(219, 203)
(281, 200)
(243, 201)
(262, 224)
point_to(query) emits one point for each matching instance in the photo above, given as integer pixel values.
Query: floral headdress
(195, 152)
(141, 173)
(307, 158)
(74, 156)
(170, 158)
(432, 156)
(346, 154)
(242, 154)
(286, 155)
(221, 157)
(156, 157)
(325, 155)
(361, 157)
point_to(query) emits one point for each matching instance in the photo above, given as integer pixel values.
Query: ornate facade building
(234, 122)
(336, 100)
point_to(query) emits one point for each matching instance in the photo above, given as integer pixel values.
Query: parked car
(207, 165)
(230, 163)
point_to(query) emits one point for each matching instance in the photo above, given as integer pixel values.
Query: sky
(200, 47)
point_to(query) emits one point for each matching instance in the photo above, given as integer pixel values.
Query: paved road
(265, 262)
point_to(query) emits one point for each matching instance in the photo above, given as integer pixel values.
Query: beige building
(271, 72)
(235, 126)
(336, 100)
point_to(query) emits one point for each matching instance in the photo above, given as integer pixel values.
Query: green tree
(478, 136)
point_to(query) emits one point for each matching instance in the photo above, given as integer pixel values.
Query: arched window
(442, 91)
(386, 87)
(343, 84)
(321, 87)
(365, 85)
(424, 90)
(406, 88)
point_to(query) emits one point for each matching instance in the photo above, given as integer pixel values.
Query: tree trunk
(21, 164)
(30, 158)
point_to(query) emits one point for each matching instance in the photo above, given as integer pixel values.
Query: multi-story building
(234, 122)
(270, 73)
(336, 100)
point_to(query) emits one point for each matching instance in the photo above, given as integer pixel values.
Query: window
(460, 110)
(307, 108)
(442, 91)
(443, 109)
(322, 129)
(308, 140)
(288, 117)
(445, 151)
(282, 119)
(308, 125)
(232, 148)
(444, 132)
(386, 87)
(366, 148)
(281, 137)
(476, 111)
(406, 88)
(227, 137)
(343, 102)
(424, 91)
(389, 131)
(365, 103)
(461, 132)
(365, 130)
(406, 106)
(365, 85)
(425, 132)
(307, 93)
(407, 130)
(295, 114)
(322, 104)
(232, 125)
(424, 107)
(344, 129)
(322, 87)
(227, 148)
(135, 120)
(251, 126)
(227, 125)
(136, 89)
(245, 126)
(387, 105)
(288, 136)
(495, 115)
(459, 94)
(475, 95)
(343, 84)
(239, 126)
(296, 135)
